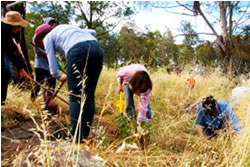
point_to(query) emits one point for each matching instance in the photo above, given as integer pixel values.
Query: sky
(159, 19)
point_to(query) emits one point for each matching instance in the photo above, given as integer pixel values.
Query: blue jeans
(9, 66)
(129, 98)
(7, 75)
(76, 60)
(130, 107)
(149, 112)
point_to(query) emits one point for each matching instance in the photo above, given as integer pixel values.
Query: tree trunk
(226, 40)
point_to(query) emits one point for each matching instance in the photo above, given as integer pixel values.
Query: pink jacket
(124, 75)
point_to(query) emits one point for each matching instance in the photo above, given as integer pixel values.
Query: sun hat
(44, 28)
(14, 18)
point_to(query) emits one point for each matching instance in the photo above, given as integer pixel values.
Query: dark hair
(140, 81)
(52, 22)
(209, 105)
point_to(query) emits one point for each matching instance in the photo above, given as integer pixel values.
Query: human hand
(140, 130)
(24, 74)
(119, 88)
(63, 78)
(200, 131)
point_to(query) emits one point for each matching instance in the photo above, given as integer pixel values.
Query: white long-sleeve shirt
(61, 39)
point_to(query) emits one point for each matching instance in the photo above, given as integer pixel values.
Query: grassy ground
(170, 140)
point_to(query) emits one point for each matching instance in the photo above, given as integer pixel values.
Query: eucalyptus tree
(151, 48)
(206, 54)
(191, 37)
(61, 11)
(241, 50)
(138, 47)
(110, 45)
(168, 50)
(39, 10)
(132, 45)
(231, 16)
(186, 55)
(103, 16)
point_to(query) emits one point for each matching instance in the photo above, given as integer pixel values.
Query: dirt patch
(11, 117)
(61, 153)
(20, 132)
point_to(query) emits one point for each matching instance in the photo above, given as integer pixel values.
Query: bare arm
(23, 73)
(200, 130)
(119, 88)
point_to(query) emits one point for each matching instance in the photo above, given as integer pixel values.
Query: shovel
(123, 121)
(50, 105)
(47, 89)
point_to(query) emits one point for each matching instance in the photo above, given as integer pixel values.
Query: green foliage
(38, 12)
(151, 55)
(241, 50)
(131, 46)
(150, 48)
(111, 49)
(168, 50)
(206, 54)
(62, 12)
(185, 54)
(124, 127)
(92, 14)
(190, 36)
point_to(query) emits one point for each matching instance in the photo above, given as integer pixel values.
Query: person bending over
(134, 79)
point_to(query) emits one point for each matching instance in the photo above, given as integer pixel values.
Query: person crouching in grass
(213, 115)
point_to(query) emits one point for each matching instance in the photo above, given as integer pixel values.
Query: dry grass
(173, 141)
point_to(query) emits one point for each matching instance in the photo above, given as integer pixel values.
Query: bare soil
(17, 133)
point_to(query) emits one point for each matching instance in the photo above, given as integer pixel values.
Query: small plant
(124, 127)
(5, 119)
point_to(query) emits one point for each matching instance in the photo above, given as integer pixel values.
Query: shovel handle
(43, 53)
(121, 101)
(40, 50)
(55, 93)
(48, 90)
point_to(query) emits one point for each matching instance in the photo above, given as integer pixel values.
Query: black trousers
(4, 84)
